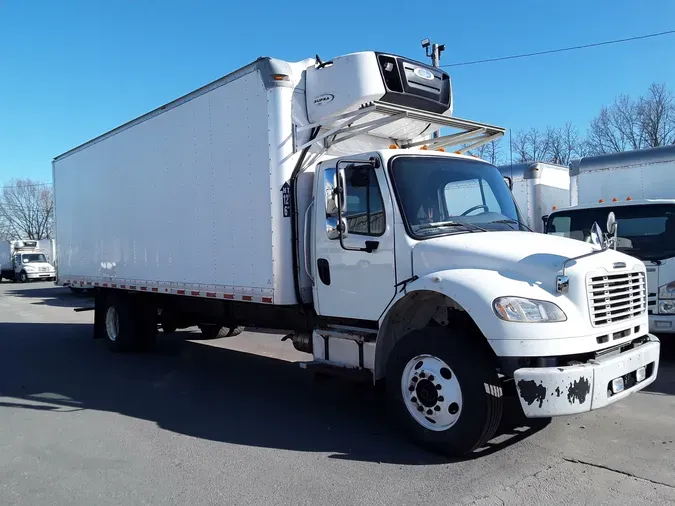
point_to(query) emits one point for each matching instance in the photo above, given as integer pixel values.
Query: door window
(365, 208)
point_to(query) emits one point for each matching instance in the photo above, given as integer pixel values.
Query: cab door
(354, 270)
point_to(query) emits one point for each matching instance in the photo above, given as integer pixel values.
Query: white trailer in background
(538, 188)
(26, 260)
(299, 196)
(639, 187)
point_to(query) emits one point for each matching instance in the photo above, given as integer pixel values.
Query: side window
(560, 225)
(365, 208)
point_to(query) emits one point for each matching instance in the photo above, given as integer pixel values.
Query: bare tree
(531, 145)
(490, 152)
(627, 124)
(657, 116)
(563, 144)
(26, 210)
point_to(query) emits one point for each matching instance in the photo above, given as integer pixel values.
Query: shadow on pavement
(49, 295)
(212, 393)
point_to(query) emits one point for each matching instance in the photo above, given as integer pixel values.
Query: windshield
(452, 195)
(27, 258)
(646, 232)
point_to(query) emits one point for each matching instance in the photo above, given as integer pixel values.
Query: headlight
(516, 309)
(29, 268)
(667, 291)
(667, 307)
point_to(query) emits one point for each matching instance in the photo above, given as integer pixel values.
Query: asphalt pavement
(236, 421)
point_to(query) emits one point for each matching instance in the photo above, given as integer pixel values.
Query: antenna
(435, 55)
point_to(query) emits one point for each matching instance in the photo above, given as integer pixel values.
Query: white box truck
(638, 186)
(538, 188)
(310, 196)
(26, 260)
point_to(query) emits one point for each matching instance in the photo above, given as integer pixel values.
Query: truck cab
(646, 231)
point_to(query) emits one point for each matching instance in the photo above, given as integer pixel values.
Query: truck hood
(523, 256)
(39, 265)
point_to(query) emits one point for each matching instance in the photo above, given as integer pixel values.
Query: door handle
(324, 271)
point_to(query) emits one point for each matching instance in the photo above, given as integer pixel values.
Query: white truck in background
(639, 187)
(538, 188)
(27, 260)
(330, 211)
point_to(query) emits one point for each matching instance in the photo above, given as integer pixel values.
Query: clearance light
(615, 199)
(554, 208)
(601, 201)
(441, 150)
(393, 146)
(424, 148)
(280, 77)
(629, 198)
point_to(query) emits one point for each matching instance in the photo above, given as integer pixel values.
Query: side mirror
(509, 182)
(330, 185)
(611, 223)
(544, 220)
(333, 230)
(596, 236)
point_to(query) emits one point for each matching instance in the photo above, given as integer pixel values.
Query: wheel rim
(431, 392)
(112, 325)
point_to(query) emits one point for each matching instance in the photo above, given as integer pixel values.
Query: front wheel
(444, 390)
(23, 277)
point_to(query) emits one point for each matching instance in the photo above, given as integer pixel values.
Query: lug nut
(438, 387)
(429, 412)
(414, 399)
(422, 375)
(441, 398)
(431, 377)
(437, 408)
(420, 408)
(411, 388)
(415, 379)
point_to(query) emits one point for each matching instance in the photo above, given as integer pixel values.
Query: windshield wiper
(441, 224)
(509, 221)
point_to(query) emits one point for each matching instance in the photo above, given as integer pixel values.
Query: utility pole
(435, 55)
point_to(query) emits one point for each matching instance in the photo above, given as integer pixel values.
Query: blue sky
(73, 69)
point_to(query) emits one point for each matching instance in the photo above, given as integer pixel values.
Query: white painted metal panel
(181, 199)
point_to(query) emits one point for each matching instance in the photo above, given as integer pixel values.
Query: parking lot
(236, 421)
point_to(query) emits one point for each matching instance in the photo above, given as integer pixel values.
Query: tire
(470, 416)
(168, 328)
(235, 331)
(23, 277)
(119, 328)
(211, 331)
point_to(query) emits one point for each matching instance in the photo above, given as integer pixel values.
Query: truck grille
(617, 297)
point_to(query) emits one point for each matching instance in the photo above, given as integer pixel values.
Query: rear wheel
(128, 325)
(444, 390)
(210, 331)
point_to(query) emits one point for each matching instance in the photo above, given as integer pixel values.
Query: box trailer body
(27, 260)
(638, 187)
(310, 196)
(538, 188)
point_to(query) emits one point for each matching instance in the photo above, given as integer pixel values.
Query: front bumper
(41, 275)
(662, 323)
(554, 391)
